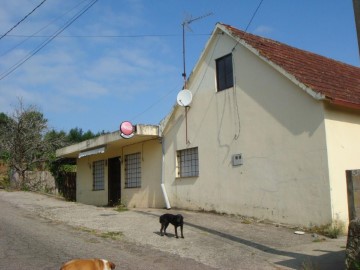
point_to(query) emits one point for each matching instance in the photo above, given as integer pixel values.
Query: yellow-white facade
(146, 142)
(295, 146)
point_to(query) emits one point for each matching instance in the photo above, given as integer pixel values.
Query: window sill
(185, 177)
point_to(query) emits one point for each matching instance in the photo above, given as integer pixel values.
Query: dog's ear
(112, 265)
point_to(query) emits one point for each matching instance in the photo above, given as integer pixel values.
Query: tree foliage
(24, 140)
(77, 135)
(27, 143)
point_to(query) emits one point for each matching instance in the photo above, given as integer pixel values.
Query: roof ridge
(284, 44)
(333, 79)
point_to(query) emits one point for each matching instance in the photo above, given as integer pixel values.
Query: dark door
(114, 180)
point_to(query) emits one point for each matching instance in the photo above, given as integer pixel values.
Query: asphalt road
(29, 242)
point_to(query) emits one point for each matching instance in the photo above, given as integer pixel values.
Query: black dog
(176, 220)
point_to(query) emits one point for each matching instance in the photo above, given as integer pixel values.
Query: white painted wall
(84, 182)
(279, 130)
(342, 134)
(149, 195)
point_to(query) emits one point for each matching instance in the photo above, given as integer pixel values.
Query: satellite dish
(184, 98)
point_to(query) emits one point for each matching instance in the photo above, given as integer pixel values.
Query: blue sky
(122, 59)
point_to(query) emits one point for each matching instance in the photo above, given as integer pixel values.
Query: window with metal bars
(188, 162)
(133, 170)
(98, 175)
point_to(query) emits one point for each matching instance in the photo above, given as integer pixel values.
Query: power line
(249, 23)
(23, 19)
(71, 21)
(27, 37)
(107, 36)
(254, 14)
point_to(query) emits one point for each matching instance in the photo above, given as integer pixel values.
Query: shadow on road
(329, 260)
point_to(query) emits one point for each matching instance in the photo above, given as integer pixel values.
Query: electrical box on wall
(237, 160)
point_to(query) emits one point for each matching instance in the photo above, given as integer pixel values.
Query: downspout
(163, 175)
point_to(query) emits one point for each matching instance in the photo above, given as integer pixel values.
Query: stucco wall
(342, 133)
(84, 182)
(278, 128)
(149, 195)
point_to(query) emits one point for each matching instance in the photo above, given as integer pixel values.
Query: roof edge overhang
(343, 103)
(100, 144)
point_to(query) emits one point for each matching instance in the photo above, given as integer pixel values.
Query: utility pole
(356, 4)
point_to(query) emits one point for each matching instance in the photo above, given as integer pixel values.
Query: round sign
(126, 129)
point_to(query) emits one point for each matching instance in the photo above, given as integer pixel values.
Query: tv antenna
(186, 24)
(184, 97)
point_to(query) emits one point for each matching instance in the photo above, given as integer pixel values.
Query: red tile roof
(336, 81)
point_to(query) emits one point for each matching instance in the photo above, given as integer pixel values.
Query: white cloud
(263, 30)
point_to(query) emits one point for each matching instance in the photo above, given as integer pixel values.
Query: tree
(25, 140)
(77, 135)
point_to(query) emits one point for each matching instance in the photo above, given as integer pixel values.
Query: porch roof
(143, 133)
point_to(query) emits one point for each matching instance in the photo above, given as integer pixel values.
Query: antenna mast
(186, 23)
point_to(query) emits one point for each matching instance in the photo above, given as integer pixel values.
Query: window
(188, 162)
(133, 170)
(98, 175)
(224, 72)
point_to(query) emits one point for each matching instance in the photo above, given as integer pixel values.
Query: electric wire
(23, 19)
(249, 23)
(27, 37)
(155, 103)
(236, 105)
(107, 36)
(58, 32)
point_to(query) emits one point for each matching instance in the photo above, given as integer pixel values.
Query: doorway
(114, 181)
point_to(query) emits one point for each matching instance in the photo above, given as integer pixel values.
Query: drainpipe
(163, 176)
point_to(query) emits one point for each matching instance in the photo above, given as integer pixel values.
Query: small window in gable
(224, 72)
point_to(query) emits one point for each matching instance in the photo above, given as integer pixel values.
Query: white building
(270, 133)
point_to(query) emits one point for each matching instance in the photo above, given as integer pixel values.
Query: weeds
(112, 235)
(4, 182)
(329, 230)
(106, 235)
(121, 207)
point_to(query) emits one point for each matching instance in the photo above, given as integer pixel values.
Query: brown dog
(88, 264)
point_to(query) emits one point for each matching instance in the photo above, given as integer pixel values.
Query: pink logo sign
(126, 130)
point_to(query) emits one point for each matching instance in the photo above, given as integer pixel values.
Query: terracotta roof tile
(337, 81)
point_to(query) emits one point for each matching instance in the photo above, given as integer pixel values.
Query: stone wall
(36, 181)
(353, 246)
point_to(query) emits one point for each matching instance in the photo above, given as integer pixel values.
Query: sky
(122, 60)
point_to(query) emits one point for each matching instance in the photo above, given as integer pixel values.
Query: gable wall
(277, 128)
